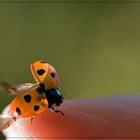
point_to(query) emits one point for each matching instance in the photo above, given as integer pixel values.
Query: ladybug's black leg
(32, 119)
(14, 118)
(57, 111)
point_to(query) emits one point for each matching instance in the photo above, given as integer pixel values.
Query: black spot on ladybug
(39, 90)
(53, 75)
(41, 71)
(18, 111)
(42, 85)
(36, 107)
(42, 62)
(27, 98)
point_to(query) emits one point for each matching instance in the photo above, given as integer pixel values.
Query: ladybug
(47, 78)
(32, 99)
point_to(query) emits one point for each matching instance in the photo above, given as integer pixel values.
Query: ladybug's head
(54, 97)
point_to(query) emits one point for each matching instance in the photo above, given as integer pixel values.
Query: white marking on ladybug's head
(58, 92)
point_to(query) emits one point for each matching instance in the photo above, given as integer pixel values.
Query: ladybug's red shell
(28, 103)
(45, 75)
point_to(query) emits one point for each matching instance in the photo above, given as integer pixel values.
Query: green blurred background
(94, 46)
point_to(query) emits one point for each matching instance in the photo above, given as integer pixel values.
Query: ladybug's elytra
(33, 99)
(45, 75)
(29, 103)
